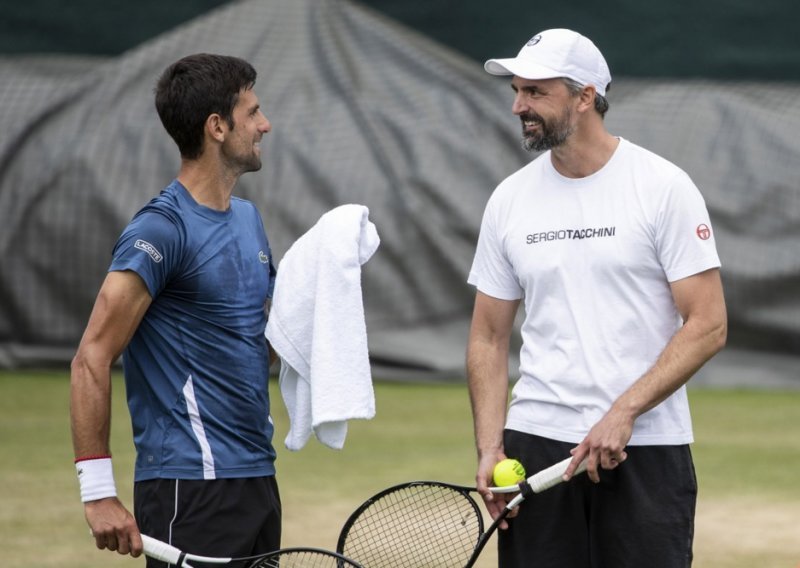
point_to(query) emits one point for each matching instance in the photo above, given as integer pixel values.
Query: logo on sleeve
(149, 249)
(263, 257)
(703, 232)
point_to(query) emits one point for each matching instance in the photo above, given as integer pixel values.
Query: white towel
(317, 328)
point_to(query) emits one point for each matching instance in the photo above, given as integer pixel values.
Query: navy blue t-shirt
(196, 370)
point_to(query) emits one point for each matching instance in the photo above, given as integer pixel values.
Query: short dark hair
(600, 102)
(195, 87)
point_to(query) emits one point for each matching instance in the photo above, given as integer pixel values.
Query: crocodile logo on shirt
(149, 249)
(263, 257)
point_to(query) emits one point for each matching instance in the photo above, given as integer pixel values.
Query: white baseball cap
(557, 53)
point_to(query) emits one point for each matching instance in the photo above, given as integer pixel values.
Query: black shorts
(220, 517)
(641, 514)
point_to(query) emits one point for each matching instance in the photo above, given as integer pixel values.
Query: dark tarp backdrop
(719, 39)
(364, 110)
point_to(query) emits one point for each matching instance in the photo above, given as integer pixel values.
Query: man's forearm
(688, 350)
(90, 409)
(487, 377)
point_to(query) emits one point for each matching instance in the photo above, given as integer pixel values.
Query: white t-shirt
(593, 258)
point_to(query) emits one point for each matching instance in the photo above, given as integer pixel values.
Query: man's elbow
(89, 361)
(718, 336)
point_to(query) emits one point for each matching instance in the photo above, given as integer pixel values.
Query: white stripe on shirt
(199, 432)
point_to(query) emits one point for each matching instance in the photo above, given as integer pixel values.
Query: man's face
(545, 109)
(242, 147)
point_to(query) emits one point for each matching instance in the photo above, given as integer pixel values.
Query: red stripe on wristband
(97, 457)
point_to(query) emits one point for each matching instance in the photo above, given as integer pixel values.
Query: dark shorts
(220, 517)
(641, 514)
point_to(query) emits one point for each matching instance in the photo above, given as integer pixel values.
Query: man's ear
(216, 127)
(587, 96)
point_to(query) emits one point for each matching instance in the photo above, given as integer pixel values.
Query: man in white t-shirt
(611, 249)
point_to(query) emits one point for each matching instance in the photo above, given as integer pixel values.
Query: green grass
(746, 442)
(747, 454)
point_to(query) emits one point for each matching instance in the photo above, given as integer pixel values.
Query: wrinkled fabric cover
(363, 111)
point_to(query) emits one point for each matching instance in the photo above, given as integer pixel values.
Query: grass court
(747, 455)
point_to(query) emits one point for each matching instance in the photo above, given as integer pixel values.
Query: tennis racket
(429, 523)
(284, 558)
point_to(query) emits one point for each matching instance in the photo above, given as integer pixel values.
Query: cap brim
(520, 68)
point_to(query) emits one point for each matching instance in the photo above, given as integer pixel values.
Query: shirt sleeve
(149, 246)
(492, 272)
(684, 235)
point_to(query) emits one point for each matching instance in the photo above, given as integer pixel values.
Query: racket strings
(417, 526)
(302, 559)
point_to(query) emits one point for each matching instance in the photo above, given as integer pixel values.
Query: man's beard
(240, 161)
(550, 134)
(252, 164)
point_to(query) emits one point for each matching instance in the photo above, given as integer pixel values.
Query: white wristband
(96, 477)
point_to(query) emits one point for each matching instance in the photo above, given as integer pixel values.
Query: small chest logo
(703, 232)
(263, 258)
(149, 249)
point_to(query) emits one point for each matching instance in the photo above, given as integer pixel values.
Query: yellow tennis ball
(508, 472)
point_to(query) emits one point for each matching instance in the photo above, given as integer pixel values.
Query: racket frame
(536, 483)
(164, 552)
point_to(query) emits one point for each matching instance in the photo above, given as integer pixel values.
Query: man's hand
(113, 527)
(495, 502)
(603, 446)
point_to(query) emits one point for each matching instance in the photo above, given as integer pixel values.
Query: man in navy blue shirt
(185, 299)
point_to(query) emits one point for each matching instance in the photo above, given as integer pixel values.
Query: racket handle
(154, 548)
(551, 476)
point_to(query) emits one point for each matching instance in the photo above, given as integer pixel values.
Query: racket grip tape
(552, 476)
(161, 551)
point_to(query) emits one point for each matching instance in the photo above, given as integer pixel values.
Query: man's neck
(584, 153)
(208, 183)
